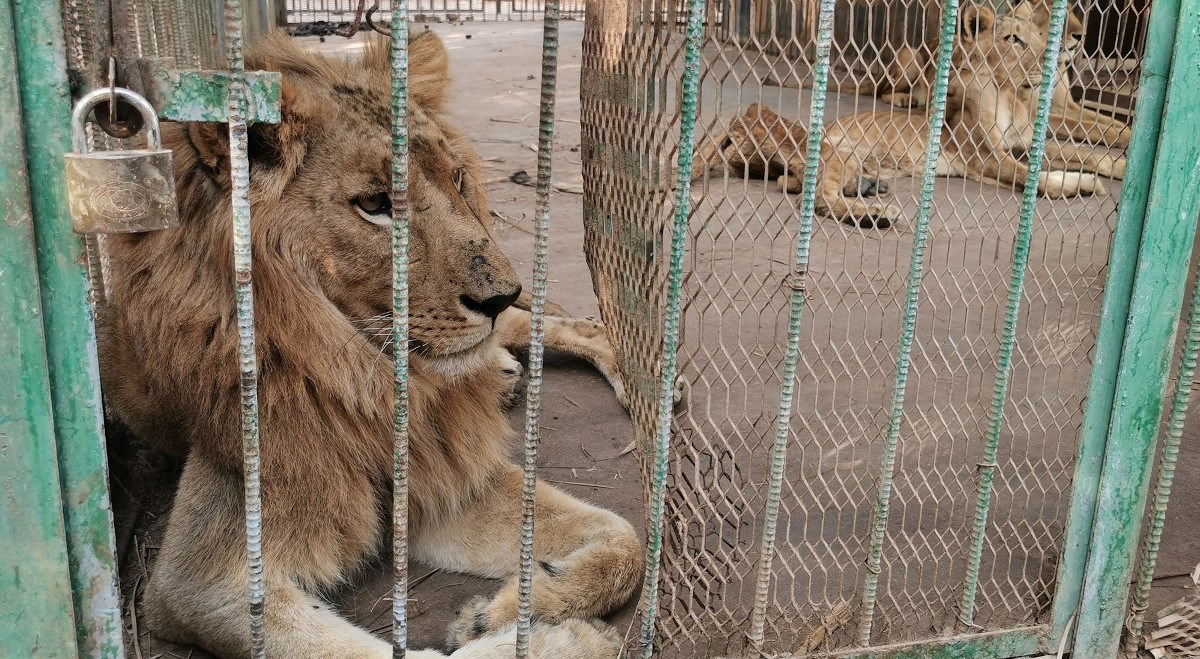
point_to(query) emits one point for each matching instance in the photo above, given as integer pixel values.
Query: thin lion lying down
(322, 284)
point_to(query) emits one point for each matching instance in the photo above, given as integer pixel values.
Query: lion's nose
(492, 306)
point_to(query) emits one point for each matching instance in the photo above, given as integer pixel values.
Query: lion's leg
(587, 559)
(1071, 156)
(525, 301)
(844, 171)
(904, 80)
(706, 158)
(1075, 122)
(578, 337)
(197, 593)
(1006, 171)
(571, 639)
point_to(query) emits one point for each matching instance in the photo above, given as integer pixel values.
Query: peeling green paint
(66, 317)
(191, 95)
(1167, 215)
(35, 583)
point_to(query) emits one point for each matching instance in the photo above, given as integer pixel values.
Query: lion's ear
(270, 145)
(428, 68)
(428, 71)
(974, 20)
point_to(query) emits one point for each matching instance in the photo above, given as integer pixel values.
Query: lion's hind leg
(844, 185)
(1081, 157)
(587, 560)
(1075, 122)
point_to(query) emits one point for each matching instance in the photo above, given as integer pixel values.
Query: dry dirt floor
(735, 330)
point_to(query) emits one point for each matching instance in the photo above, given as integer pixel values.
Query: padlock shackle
(95, 97)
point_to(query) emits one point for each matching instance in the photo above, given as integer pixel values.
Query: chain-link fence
(755, 102)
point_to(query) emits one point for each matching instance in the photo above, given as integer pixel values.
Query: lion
(760, 142)
(998, 58)
(322, 290)
(909, 79)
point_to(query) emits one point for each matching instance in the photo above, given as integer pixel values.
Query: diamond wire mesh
(739, 266)
(300, 12)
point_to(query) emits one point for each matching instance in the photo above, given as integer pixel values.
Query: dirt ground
(585, 431)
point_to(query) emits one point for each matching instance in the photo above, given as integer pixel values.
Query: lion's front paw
(574, 639)
(793, 184)
(1061, 185)
(570, 639)
(680, 394)
(512, 371)
(470, 624)
(874, 216)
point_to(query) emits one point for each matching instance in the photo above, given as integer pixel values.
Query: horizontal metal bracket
(198, 95)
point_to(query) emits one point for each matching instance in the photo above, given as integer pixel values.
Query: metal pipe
(69, 332)
(1164, 253)
(1166, 472)
(33, 566)
(1114, 310)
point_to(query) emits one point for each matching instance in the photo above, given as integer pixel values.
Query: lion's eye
(375, 208)
(1014, 39)
(458, 179)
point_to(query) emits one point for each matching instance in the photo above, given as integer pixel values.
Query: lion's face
(337, 135)
(1008, 47)
(1038, 13)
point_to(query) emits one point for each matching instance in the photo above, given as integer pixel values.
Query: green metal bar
(239, 162)
(683, 202)
(1168, 234)
(1166, 471)
(1008, 337)
(36, 611)
(201, 95)
(912, 296)
(783, 421)
(1122, 261)
(400, 263)
(69, 330)
(994, 645)
(537, 324)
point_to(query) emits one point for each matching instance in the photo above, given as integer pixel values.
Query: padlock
(120, 191)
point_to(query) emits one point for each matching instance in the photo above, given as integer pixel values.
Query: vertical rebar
(912, 296)
(1166, 471)
(783, 422)
(399, 47)
(237, 107)
(1008, 337)
(666, 398)
(537, 324)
